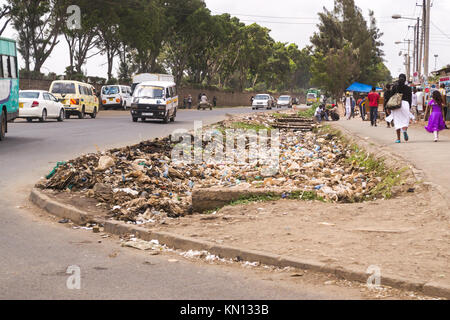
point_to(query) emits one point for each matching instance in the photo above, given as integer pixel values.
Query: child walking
(436, 121)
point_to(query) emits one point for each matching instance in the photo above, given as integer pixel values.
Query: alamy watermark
(228, 147)
(74, 281)
(74, 20)
(374, 281)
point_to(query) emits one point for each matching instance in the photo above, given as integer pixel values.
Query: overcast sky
(294, 21)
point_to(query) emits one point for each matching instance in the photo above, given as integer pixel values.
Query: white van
(145, 77)
(155, 100)
(116, 96)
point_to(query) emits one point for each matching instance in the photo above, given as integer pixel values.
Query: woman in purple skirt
(436, 121)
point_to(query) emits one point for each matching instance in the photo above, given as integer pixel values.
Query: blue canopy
(360, 87)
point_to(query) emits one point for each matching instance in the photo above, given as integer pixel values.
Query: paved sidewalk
(433, 158)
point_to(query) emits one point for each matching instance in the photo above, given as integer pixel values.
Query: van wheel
(135, 119)
(94, 114)
(61, 116)
(166, 118)
(143, 119)
(82, 114)
(2, 125)
(29, 119)
(44, 116)
(174, 115)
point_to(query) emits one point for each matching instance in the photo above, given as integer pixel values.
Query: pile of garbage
(141, 184)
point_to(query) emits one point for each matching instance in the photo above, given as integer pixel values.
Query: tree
(188, 29)
(82, 41)
(5, 17)
(109, 41)
(38, 24)
(336, 70)
(345, 31)
(143, 28)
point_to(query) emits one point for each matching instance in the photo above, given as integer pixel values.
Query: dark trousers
(373, 115)
(362, 112)
(445, 113)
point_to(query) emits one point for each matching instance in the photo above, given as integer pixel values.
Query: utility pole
(418, 56)
(414, 68)
(427, 39)
(408, 61)
(424, 16)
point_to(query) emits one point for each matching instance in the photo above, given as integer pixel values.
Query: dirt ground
(405, 237)
(320, 283)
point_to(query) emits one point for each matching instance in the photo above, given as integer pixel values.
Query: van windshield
(63, 88)
(261, 97)
(284, 98)
(110, 90)
(149, 92)
(312, 96)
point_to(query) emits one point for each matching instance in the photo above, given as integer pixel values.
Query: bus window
(1, 67)
(12, 63)
(6, 67)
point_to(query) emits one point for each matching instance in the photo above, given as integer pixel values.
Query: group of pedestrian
(202, 98)
(402, 104)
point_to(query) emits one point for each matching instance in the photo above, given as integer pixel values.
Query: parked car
(77, 97)
(114, 96)
(284, 101)
(263, 101)
(38, 104)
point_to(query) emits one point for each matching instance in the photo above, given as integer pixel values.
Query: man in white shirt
(414, 103)
(420, 102)
(320, 113)
(348, 106)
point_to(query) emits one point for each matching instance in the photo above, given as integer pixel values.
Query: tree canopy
(184, 38)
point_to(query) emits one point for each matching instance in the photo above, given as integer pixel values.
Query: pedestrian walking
(387, 96)
(362, 103)
(443, 93)
(402, 116)
(189, 101)
(374, 99)
(353, 107)
(420, 103)
(436, 121)
(414, 103)
(348, 105)
(184, 102)
(215, 101)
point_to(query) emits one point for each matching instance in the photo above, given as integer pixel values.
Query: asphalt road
(36, 251)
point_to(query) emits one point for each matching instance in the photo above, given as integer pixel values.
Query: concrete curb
(185, 243)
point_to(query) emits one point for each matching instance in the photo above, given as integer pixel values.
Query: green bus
(9, 84)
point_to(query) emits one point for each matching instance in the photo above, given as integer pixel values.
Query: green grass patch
(309, 113)
(280, 115)
(249, 126)
(297, 195)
